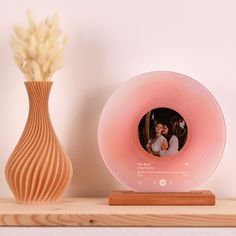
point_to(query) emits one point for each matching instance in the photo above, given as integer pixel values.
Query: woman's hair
(170, 130)
(158, 123)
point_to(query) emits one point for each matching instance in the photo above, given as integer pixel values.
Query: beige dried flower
(39, 48)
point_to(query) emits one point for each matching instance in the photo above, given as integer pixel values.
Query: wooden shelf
(97, 212)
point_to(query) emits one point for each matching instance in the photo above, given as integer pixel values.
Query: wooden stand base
(193, 198)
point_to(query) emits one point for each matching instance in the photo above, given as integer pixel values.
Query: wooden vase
(38, 170)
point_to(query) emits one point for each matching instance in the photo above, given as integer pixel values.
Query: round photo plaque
(161, 132)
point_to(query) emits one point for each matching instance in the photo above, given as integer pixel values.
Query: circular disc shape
(119, 141)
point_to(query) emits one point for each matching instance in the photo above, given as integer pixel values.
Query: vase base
(38, 202)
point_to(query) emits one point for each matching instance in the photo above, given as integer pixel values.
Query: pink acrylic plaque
(139, 170)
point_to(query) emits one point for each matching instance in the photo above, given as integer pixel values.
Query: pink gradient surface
(141, 171)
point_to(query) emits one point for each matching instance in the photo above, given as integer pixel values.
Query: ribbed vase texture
(38, 170)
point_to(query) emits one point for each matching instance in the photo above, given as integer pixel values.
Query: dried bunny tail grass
(31, 20)
(38, 49)
(65, 40)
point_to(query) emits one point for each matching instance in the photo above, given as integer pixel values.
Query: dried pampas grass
(39, 48)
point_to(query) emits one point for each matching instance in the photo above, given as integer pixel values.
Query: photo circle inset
(162, 132)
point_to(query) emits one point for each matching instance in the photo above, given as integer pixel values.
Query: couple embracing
(165, 142)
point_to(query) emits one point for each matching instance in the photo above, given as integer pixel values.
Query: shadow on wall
(91, 80)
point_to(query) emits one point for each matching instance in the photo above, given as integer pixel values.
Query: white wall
(110, 42)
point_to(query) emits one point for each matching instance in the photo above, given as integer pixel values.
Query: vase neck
(38, 93)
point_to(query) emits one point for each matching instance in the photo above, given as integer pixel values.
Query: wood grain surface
(97, 212)
(192, 198)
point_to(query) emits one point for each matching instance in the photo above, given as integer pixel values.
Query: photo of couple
(162, 132)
